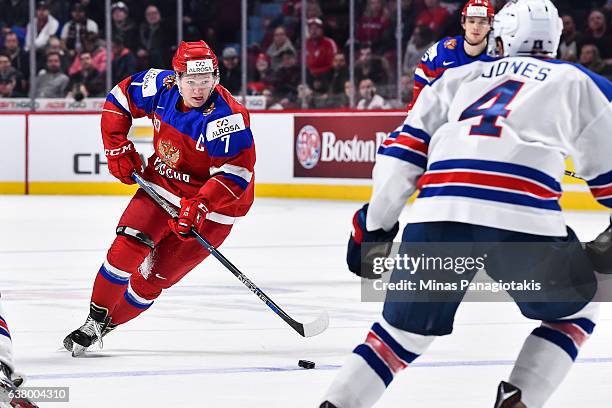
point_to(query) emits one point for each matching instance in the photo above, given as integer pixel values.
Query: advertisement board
(339, 146)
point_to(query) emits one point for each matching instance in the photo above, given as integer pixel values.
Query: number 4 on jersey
(501, 95)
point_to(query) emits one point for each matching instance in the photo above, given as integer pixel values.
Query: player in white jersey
(486, 145)
(9, 381)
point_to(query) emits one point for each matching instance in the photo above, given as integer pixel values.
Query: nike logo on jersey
(157, 275)
(447, 63)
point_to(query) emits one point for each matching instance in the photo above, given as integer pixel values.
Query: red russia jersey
(207, 152)
(445, 54)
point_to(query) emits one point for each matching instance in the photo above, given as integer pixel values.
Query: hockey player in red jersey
(203, 164)
(9, 381)
(451, 52)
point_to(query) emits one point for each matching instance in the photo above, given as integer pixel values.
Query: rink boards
(326, 155)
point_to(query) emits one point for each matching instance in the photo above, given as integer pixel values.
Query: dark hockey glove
(192, 215)
(123, 161)
(359, 235)
(599, 251)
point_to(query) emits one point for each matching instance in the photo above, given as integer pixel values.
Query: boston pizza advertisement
(340, 145)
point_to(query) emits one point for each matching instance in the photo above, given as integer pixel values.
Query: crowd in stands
(71, 52)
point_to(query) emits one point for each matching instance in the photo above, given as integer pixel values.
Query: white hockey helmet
(525, 27)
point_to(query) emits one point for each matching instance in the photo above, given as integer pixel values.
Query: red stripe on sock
(385, 352)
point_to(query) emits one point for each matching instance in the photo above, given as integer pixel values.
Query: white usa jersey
(486, 144)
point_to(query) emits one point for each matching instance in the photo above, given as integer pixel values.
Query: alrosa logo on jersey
(149, 82)
(204, 66)
(224, 126)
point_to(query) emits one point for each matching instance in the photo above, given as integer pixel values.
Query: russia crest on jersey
(308, 146)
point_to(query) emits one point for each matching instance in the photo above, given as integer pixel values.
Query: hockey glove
(359, 235)
(192, 215)
(599, 251)
(123, 161)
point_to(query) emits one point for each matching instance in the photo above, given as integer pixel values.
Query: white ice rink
(209, 342)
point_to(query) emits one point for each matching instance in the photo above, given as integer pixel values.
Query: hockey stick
(313, 328)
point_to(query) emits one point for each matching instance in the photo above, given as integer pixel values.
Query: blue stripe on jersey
(499, 167)
(111, 98)
(397, 348)
(405, 155)
(558, 338)
(375, 363)
(490, 195)
(601, 180)
(242, 183)
(111, 277)
(4, 332)
(604, 85)
(238, 141)
(418, 133)
(607, 202)
(585, 324)
(135, 302)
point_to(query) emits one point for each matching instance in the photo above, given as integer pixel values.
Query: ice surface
(209, 342)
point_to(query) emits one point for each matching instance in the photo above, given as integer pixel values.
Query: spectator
(74, 30)
(591, 59)
(8, 88)
(94, 46)
(124, 60)
(568, 47)
(123, 25)
(421, 40)
(373, 26)
(263, 72)
(597, 33)
(320, 50)
(55, 45)
(434, 16)
(19, 60)
(6, 69)
(369, 98)
(52, 82)
(406, 86)
(315, 97)
(15, 12)
(280, 43)
(87, 82)
(46, 26)
(231, 74)
(287, 76)
(339, 74)
(154, 39)
(369, 66)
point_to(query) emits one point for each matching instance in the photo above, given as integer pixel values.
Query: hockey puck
(306, 364)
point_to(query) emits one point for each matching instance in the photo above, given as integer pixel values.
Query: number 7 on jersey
(501, 95)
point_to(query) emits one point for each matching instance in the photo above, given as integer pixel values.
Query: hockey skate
(8, 387)
(508, 396)
(92, 331)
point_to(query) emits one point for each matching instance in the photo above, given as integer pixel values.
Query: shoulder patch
(450, 44)
(149, 82)
(431, 53)
(224, 126)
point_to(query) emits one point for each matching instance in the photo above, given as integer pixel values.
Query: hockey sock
(6, 347)
(549, 353)
(373, 364)
(134, 301)
(109, 285)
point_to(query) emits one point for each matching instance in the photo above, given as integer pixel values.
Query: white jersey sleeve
(402, 157)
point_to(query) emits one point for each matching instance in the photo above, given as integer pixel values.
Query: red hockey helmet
(478, 8)
(195, 58)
